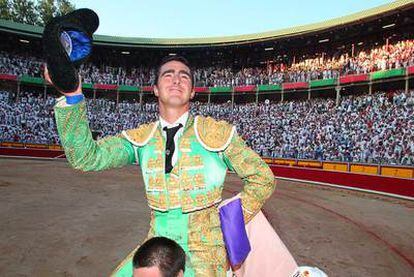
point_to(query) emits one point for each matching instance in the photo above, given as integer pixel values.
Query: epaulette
(212, 134)
(141, 135)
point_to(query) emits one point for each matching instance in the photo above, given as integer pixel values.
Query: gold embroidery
(185, 142)
(213, 134)
(198, 181)
(155, 163)
(163, 201)
(157, 141)
(214, 196)
(173, 183)
(189, 204)
(205, 243)
(258, 178)
(153, 201)
(156, 182)
(141, 134)
(200, 200)
(187, 201)
(186, 181)
(174, 197)
(184, 159)
(188, 162)
(186, 185)
(159, 201)
(175, 170)
(197, 160)
(151, 231)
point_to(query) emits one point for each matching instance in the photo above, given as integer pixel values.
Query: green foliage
(47, 10)
(24, 11)
(64, 7)
(5, 9)
(34, 12)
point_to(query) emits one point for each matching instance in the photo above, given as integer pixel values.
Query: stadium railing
(398, 171)
(344, 80)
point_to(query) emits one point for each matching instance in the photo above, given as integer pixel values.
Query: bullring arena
(328, 105)
(60, 222)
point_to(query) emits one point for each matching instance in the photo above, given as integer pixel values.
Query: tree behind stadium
(33, 12)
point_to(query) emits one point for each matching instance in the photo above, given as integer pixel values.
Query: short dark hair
(162, 252)
(176, 58)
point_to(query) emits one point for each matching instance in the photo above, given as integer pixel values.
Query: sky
(212, 18)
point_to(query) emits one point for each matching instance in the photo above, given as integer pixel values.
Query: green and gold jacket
(206, 149)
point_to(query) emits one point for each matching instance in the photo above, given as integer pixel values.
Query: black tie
(170, 146)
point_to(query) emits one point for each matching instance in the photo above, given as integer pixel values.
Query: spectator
(322, 66)
(367, 128)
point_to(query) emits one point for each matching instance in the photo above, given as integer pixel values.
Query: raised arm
(81, 150)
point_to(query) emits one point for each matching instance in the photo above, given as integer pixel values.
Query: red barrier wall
(353, 78)
(38, 153)
(399, 186)
(201, 89)
(245, 88)
(8, 77)
(105, 86)
(297, 85)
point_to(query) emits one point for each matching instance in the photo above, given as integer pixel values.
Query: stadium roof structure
(297, 31)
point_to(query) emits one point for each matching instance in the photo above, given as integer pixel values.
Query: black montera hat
(67, 43)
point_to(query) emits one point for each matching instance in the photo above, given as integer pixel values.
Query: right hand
(48, 80)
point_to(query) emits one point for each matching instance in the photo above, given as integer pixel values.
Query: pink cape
(269, 255)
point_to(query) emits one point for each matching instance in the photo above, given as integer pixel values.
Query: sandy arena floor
(56, 221)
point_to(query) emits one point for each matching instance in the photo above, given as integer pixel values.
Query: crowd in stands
(29, 120)
(117, 75)
(369, 128)
(301, 69)
(377, 128)
(19, 65)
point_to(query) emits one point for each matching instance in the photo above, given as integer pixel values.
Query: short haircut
(167, 59)
(163, 253)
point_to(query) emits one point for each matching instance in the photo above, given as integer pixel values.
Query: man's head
(167, 59)
(159, 257)
(174, 82)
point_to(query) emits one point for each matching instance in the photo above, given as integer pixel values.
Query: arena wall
(397, 187)
(293, 170)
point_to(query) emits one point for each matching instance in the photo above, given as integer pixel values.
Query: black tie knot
(172, 131)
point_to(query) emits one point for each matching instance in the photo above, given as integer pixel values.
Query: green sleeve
(82, 151)
(259, 182)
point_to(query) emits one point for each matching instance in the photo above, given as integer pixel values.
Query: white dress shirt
(183, 121)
